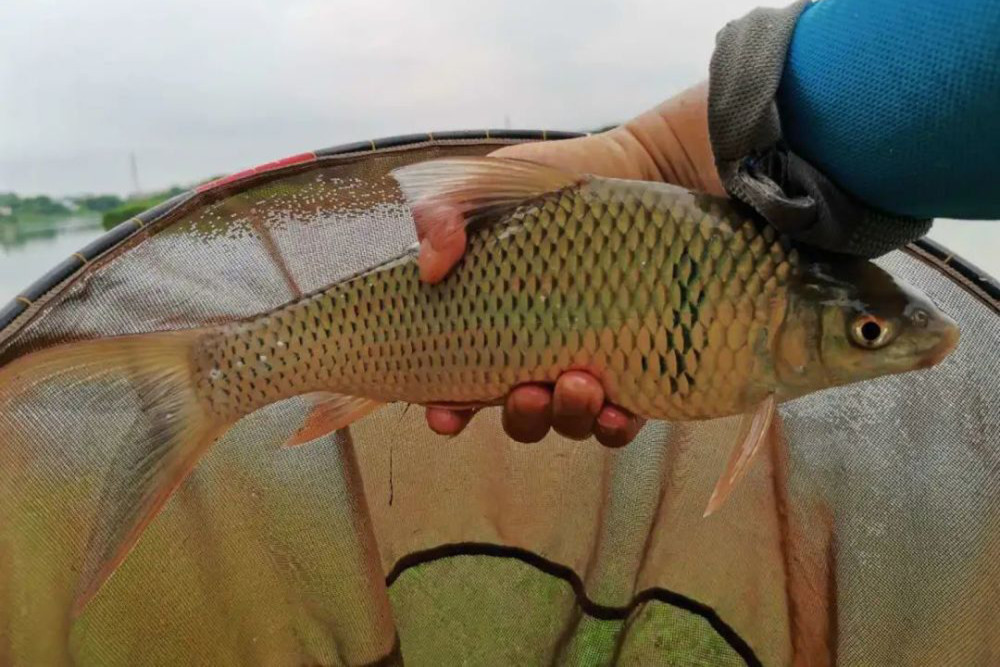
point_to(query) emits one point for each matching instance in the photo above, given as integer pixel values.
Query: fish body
(672, 300)
(682, 305)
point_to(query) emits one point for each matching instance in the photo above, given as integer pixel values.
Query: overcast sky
(198, 87)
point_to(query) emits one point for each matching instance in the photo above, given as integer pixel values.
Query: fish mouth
(946, 343)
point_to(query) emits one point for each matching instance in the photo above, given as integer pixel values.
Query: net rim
(21, 308)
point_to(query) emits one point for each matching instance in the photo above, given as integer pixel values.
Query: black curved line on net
(588, 606)
(115, 237)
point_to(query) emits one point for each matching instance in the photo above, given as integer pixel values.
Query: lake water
(28, 251)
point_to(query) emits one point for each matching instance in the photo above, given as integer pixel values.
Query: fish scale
(663, 295)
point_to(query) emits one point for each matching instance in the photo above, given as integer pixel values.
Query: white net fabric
(868, 533)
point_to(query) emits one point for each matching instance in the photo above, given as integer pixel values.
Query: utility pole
(136, 190)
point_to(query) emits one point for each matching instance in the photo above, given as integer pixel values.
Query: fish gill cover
(867, 531)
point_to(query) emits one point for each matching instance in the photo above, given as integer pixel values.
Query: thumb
(607, 154)
(668, 143)
(442, 243)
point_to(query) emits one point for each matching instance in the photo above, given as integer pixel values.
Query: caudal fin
(162, 448)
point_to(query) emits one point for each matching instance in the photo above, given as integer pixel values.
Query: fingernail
(429, 261)
(440, 234)
(609, 420)
(427, 248)
(522, 401)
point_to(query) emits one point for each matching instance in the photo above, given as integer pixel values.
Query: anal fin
(753, 429)
(329, 413)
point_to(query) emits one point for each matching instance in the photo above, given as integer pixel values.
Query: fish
(685, 307)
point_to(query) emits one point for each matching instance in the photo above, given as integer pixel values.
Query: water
(28, 250)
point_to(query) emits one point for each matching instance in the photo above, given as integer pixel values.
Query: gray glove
(759, 169)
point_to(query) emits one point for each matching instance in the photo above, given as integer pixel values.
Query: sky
(196, 88)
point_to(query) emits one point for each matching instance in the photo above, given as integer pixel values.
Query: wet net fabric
(868, 531)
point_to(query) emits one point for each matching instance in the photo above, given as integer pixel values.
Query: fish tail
(163, 447)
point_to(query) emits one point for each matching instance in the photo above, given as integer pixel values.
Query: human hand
(668, 143)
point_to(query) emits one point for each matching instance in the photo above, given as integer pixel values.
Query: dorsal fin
(475, 185)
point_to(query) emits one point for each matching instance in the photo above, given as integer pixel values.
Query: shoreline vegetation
(132, 207)
(110, 210)
(48, 211)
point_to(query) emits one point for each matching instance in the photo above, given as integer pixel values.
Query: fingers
(442, 243)
(571, 408)
(576, 402)
(448, 422)
(527, 414)
(616, 427)
(575, 408)
(436, 262)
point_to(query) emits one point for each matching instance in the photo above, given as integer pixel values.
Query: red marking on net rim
(270, 166)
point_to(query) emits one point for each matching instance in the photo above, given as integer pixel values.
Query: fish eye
(870, 332)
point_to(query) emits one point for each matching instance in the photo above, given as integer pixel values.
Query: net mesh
(867, 533)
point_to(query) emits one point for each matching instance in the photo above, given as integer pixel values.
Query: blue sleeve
(898, 101)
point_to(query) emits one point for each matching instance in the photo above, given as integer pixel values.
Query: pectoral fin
(329, 413)
(753, 429)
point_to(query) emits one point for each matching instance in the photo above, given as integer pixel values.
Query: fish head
(849, 320)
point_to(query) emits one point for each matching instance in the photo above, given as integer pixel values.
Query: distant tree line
(42, 206)
(133, 207)
(99, 203)
(112, 208)
(12, 206)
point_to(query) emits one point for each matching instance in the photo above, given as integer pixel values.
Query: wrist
(670, 142)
